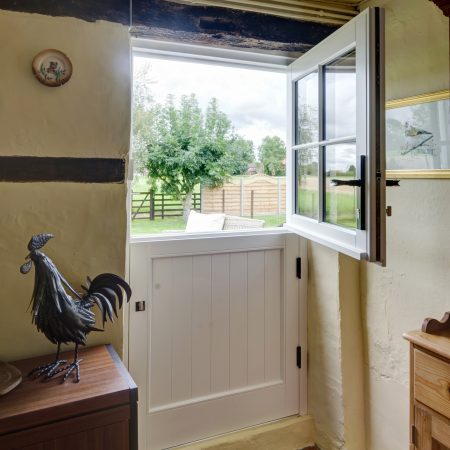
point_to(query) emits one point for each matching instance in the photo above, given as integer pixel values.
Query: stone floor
(293, 433)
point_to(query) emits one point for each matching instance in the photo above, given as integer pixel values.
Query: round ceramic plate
(52, 67)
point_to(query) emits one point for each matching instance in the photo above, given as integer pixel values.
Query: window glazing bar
(340, 140)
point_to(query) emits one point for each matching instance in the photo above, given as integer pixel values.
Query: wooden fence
(150, 205)
(247, 196)
(251, 196)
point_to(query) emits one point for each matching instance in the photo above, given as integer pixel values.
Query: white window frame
(203, 55)
(361, 244)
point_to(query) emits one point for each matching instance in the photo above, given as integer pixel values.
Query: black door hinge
(298, 268)
(140, 306)
(413, 435)
(299, 357)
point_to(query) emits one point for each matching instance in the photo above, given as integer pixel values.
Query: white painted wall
(415, 284)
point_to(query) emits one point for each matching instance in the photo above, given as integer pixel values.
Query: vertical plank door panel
(238, 320)
(220, 339)
(272, 279)
(161, 333)
(256, 318)
(181, 303)
(201, 326)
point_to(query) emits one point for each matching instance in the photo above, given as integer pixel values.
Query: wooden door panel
(222, 331)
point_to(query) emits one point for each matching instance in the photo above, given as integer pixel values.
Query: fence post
(223, 200)
(201, 199)
(252, 198)
(279, 195)
(152, 205)
(242, 198)
(162, 206)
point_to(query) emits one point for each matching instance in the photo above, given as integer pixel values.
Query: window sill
(354, 252)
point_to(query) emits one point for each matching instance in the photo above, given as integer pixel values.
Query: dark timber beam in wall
(26, 169)
(166, 20)
(207, 25)
(89, 10)
(444, 5)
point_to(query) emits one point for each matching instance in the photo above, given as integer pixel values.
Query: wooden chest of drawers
(430, 391)
(98, 413)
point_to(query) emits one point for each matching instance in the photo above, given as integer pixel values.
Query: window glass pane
(340, 97)
(308, 182)
(340, 201)
(307, 109)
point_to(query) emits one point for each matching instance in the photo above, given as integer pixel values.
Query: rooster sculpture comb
(68, 317)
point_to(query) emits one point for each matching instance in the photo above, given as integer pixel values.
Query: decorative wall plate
(52, 67)
(10, 377)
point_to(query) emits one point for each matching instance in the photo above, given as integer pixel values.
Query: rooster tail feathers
(104, 306)
(113, 282)
(105, 290)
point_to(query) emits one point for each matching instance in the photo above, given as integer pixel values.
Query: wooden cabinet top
(436, 343)
(104, 383)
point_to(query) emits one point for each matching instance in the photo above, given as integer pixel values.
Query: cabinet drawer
(432, 382)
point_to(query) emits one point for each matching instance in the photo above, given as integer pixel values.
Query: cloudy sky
(254, 100)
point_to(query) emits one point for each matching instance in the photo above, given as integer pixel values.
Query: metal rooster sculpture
(63, 318)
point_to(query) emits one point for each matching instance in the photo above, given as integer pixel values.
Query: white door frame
(244, 59)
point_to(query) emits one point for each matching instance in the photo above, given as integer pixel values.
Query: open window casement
(335, 159)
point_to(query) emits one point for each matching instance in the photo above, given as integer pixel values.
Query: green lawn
(144, 226)
(340, 208)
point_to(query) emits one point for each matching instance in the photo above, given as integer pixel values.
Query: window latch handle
(335, 182)
(390, 183)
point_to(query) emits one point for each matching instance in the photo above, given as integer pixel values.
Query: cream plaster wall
(335, 350)
(89, 116)
(394, 299)
(415, 284)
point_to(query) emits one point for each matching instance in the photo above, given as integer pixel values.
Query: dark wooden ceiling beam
(444, 5)
(222, 27)
(207, 25)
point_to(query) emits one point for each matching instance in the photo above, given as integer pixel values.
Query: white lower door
(215, 348)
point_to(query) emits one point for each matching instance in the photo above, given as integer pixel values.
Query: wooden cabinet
(430, 391)
(98, 413)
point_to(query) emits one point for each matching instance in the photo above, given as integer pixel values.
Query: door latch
(140, 306)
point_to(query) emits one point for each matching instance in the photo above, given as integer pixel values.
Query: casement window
(335, 159)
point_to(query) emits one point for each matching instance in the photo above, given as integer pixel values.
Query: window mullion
(322, 189)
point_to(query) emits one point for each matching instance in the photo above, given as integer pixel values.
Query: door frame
(233, 58)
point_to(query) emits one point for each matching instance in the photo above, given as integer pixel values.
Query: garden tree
(188, 148)
(145, 110)
(241, 155)
(272, 155)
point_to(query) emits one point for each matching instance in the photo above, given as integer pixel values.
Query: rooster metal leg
(74, 366)
(48, 370)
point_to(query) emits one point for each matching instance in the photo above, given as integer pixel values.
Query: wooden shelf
(105, 389)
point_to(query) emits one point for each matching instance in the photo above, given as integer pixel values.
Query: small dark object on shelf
(435, 326)
(63, 318)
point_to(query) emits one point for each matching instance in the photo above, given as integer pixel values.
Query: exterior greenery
(272, 155)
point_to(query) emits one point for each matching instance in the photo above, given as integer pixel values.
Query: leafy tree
(241, 155)
(272, 155)
(145, 110)
(188, 148)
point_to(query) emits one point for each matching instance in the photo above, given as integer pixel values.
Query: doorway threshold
(291, 433)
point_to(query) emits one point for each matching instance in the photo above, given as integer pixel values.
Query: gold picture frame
(411, 101)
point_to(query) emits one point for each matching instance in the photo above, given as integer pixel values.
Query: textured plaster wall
(415, 284)
(89, 116)
(335, 350)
